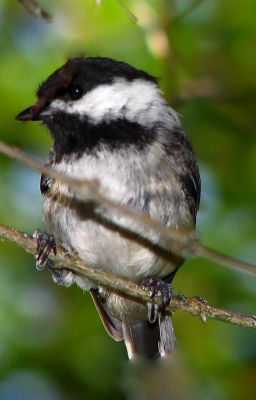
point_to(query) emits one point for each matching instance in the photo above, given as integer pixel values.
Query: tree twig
(193, 305)
(33, 8)
(185, 244)
(192, 6)
(126, 10)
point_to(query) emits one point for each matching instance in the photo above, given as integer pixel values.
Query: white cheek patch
(137, 101)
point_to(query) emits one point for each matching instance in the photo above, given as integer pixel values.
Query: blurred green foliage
(52, 344)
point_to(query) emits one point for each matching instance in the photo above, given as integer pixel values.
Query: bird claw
(45, 244)
(152, 312)
(156, 288)
(62, 276)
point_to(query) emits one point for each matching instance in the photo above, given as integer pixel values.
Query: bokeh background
(52, 343)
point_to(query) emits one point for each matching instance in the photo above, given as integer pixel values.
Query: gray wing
(184, 165)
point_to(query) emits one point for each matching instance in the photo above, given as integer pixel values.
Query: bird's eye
(75, 92)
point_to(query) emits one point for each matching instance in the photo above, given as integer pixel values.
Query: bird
(109, 122)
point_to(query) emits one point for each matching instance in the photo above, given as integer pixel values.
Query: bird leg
(46, 244)
(156, 288)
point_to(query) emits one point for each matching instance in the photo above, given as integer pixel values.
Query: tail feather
(149, 340)
(167, 335)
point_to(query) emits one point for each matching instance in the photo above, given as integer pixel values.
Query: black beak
(28, 115)
(38, 112)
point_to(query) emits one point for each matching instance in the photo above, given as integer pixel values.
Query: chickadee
(110, 122)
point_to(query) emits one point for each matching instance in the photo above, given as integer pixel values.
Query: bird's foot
(62, 276)
(156, 288)
(46, 244)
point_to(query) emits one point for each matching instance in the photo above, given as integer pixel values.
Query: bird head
(94, 100)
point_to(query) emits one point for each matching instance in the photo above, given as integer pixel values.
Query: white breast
(127, 181)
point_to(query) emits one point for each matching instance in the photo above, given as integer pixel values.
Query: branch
(33, 8)
(128, 12)
(184, 244)
(193, 5)
(194, 305)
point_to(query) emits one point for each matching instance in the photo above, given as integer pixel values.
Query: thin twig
(185, 244)
(33, 8)
(194, 305)
(193, 5)
(128, 12)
